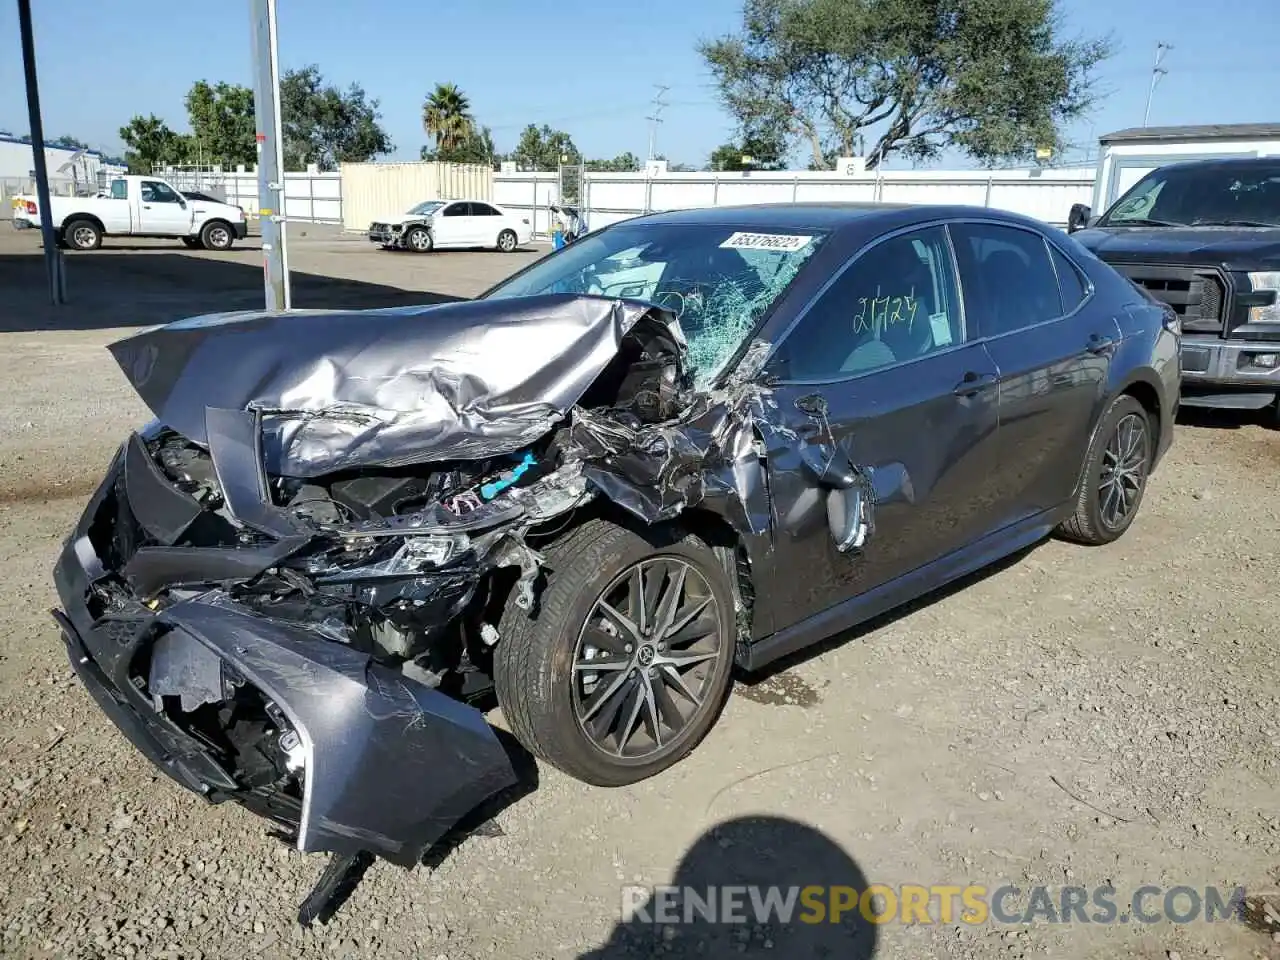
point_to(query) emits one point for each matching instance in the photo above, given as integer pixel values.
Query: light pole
(1157, 72)
(271, 199)
(52, 255)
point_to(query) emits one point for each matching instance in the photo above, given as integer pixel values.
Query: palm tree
(446, 115)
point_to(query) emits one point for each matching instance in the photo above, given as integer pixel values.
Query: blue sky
(586, 66)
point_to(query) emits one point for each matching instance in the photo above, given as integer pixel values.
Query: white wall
(610, 197)
(309, 196)
(17, 160)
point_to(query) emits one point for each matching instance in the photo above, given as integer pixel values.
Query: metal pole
(1156, 73)
(266, 99)
(52, 255)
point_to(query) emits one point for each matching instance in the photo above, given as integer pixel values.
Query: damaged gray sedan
(687, 441)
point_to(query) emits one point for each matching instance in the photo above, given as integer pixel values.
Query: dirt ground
(1075, 717)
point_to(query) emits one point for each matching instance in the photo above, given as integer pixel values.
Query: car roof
(827, 216)
(1224, 163)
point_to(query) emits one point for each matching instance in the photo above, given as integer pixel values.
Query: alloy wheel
(219, 237)
(83, 237)
(646, 658)
(420, 241)
(1124, 471)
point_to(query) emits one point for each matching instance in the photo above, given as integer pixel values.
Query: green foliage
(149, 142)
(541, 148)
(994, 78)
(446, 116)
(475, 147)
(222, 124)
(622, 163)
(765, 155)
(326, 126)
(67, 143)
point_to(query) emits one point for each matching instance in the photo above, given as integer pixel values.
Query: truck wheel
(1114, 476)
(507, 241)
(418, 239)
(83, 235)
(216, 235)
(625, 664)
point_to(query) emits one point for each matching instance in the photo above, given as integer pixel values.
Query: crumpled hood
(1241, 248)
(392, 219)
(367, 388)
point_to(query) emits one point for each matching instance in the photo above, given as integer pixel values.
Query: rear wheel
(1115, 475)
(216, 235)
(507, 241)
(626, 664)
(418, 239)
(83, 235)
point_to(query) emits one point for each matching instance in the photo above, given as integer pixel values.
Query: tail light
(31, 207)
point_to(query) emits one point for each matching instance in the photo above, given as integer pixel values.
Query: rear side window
(457, 210)
(483, 210)
(1071, 284)
(119, 190)
(1008, 277)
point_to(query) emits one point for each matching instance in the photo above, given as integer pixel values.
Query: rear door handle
(1099, 344)
(974, 383)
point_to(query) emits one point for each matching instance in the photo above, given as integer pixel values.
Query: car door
(1034, 310)
(162, 210)
(488, 222)
(880, 369)
(452, 226)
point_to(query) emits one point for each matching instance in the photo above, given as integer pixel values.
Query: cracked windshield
(718, 280)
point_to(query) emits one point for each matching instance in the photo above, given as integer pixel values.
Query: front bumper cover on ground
(390, 765)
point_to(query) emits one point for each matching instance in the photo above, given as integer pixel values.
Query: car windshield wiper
(1233, 223)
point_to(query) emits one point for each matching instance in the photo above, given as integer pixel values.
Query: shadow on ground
(143, 289)
(774, 856)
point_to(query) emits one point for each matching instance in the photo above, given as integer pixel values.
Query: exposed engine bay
(287, 588)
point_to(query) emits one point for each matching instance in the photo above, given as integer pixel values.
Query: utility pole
(52, 254)
(1157, 72)
(266, 99)
(656, 117)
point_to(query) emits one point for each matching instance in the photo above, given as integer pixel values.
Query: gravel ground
(1074, 717)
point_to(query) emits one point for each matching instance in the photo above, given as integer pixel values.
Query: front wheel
(626, 664)
(418, 239)
(507, 241)
(216, 236)
(1114, 476)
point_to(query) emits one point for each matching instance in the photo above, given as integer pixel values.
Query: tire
(418, 239)
(82, 235)
(507, 241)
(217, 235)
(543, 697)
(192, 243)
(1126, 422)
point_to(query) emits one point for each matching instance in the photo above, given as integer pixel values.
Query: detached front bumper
(387, 765)
(1229, 373)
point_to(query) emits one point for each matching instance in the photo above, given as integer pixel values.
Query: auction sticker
(786, 242)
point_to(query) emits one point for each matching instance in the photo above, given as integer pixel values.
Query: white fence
(309, 196)
(1046, 194)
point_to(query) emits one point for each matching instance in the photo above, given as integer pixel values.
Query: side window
(896, 302)
(1073, 286)
(155, 192)
(119, 189)
(483, 210)
(1008, 278)
(457, 210)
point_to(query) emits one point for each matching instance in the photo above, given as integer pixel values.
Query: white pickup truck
(137, 207)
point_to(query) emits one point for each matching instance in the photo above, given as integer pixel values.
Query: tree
(446, 116)
(994, 78)
(326, 126)
(764, 154)
(476, 147)
(67, 143)
(541, 148)
(222, 124)
(150, 142)
(622, 163)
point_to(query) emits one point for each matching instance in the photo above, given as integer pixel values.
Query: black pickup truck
(1204, 237)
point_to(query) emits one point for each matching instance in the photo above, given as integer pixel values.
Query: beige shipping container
(373, 190)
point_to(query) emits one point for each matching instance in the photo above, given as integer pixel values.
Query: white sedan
(452, 224)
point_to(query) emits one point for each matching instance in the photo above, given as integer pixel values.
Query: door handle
(1098, 344)
(146, 206)
(974, 383)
